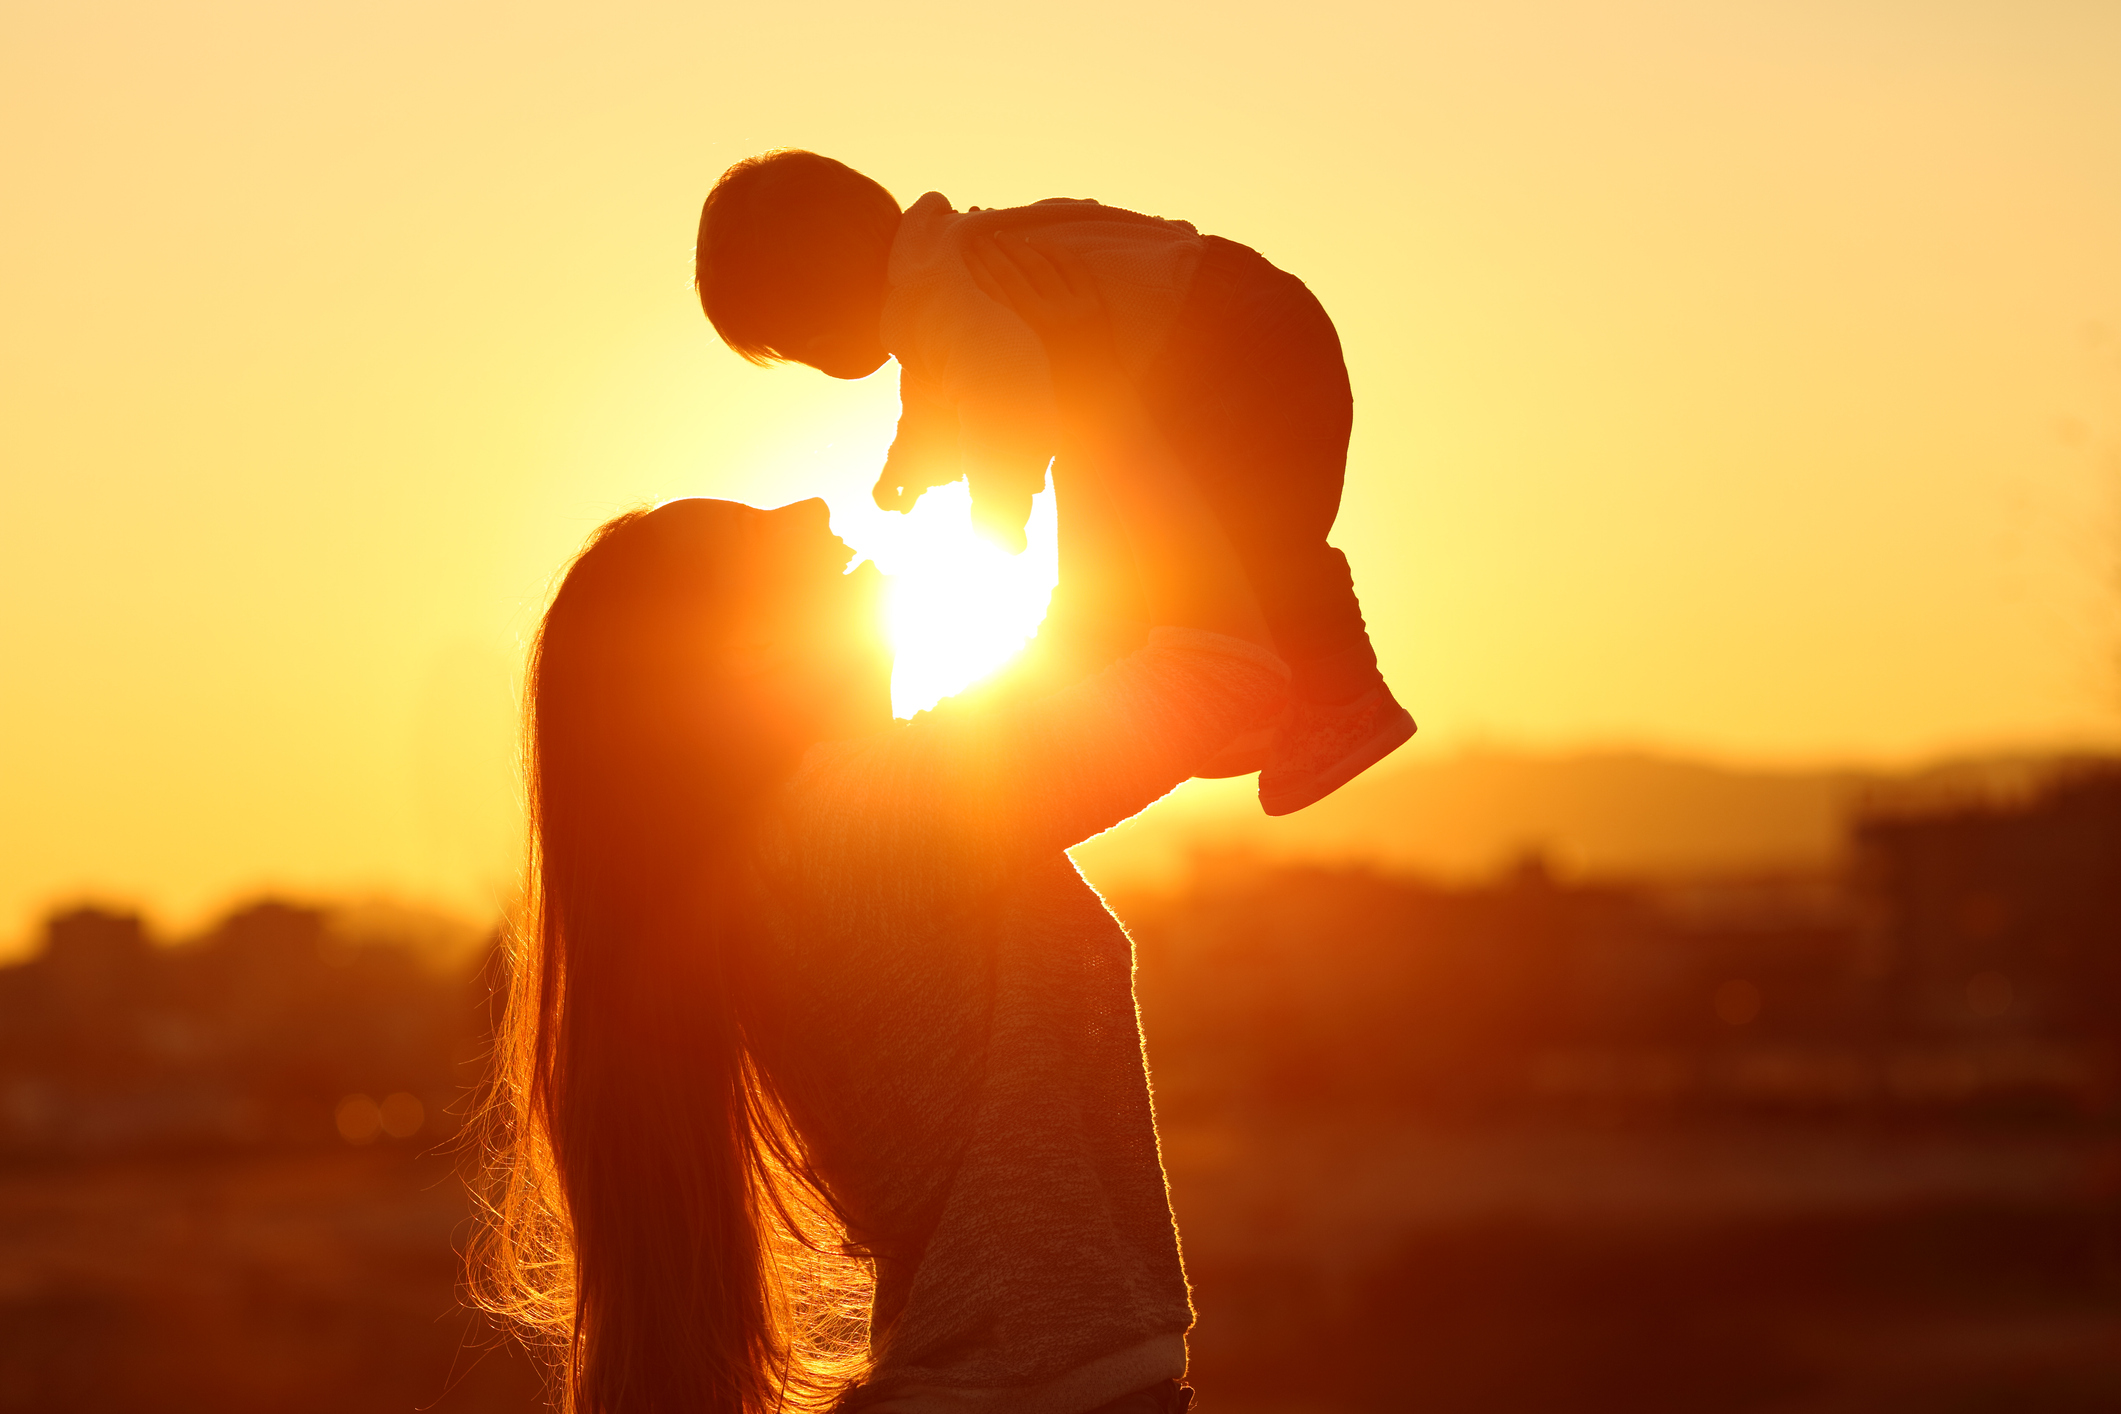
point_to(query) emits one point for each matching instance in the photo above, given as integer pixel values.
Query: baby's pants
(1252, 395)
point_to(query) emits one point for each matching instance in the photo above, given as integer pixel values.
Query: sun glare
(959, 606)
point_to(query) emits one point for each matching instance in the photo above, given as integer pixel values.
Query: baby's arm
(925, 451)
(982, 360)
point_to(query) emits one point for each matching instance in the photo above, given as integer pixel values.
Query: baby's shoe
(1323, 745)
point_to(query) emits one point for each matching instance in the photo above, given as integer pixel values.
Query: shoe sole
(1395, 732)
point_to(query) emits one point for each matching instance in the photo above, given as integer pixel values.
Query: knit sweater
(951, 1014)
(974, 385)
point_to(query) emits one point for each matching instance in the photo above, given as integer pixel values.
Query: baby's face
(844, 338)
(841, 353)
(848, 348)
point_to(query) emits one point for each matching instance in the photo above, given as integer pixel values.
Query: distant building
(2002, 919)
(262, 1031)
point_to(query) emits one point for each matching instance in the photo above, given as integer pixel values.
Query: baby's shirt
(974, 386)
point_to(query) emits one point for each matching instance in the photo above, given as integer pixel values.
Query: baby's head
(792, 256)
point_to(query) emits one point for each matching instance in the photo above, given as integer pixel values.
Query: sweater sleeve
(959, 798)
(986, 363)
(925, 451)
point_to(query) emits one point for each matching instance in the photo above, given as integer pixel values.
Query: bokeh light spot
(359, 1119)
(1737, 1002)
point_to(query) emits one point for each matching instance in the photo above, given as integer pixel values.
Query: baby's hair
(784, 238)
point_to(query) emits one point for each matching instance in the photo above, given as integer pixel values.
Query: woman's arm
(960, 799)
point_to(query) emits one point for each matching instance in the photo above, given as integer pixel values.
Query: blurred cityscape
(1843, 1138)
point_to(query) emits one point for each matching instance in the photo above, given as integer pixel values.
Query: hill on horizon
(1633, 813)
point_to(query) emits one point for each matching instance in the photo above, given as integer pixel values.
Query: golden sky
(1741, 377)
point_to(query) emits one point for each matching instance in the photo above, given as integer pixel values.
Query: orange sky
(1740, 377)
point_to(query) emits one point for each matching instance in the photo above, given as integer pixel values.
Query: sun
(959, 606)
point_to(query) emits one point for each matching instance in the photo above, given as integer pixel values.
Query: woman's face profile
(818, 629)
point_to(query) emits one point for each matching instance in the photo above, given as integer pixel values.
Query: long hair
(651, 1214)
(785, 238)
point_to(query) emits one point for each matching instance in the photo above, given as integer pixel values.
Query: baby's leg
(1254, 397)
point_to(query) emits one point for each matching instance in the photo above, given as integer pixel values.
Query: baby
(803, 259)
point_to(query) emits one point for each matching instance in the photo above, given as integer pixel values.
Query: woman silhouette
(796, 973)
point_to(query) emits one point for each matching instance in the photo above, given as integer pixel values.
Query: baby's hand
(923, 454)
(911, 471)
